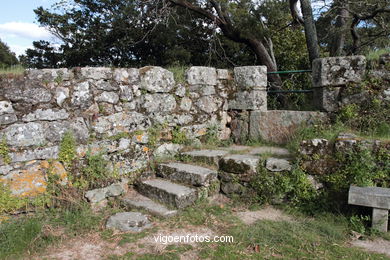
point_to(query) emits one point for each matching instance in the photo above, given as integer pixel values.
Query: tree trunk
(338, 42)
(310, 30)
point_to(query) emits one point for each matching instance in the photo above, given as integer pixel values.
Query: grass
(13, 70)
(31, 234)
(178, 73)
(374, 55)
(320, 237)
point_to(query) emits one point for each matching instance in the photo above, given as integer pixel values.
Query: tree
(44, 55)
(350, 27)
(7, 58)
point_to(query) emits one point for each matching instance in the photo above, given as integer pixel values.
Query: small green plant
(67, 149)
(274, 186)
(347, 113)
(178, 73)
(59, 79)
(4, 151)
(358, 223)
(95, 173)
(212, 135)
(179, 136)
(9, 202)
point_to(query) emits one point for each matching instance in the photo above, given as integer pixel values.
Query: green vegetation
(95, 173)
(30, 234)
(8, 202)
(12, 70)
(4, 151)
(271, 187)
(67, 149)
(179, 136)
(178, 73)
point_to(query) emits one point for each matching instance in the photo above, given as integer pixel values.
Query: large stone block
(278, 126)
(29, 94)
(46, 115)
(336, 71)
(156, 79)
(8, 119)
(82, 96)
(25, 134)
(158, 103)
(249, 100)
(128, 76)
(95, 73)
(374, 197)
(120, 122)
(50, 74)
(201, 76)
(6, 108)
(251, 77)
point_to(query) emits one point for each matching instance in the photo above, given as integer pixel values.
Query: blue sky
(18, 26)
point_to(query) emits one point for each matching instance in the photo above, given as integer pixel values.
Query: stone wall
(108, 110)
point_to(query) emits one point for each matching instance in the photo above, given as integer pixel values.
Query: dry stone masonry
(108, 110)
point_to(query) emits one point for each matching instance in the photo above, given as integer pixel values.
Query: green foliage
(275, 186)
(4, 151)
(95, 173)
(7, 58)
(31, 234)
(67, 149)
(212, 135)
(358, 223)
(178, 73)
(12, 70)
(154, 133)
(9, 202)
(372, 115)
(179, 136)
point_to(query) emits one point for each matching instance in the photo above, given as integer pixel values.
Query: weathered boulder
(167, 150)
(128, 221)
(314, 146)
(95, 73)
(223, 74)
(46, 115)
(251, 77)
(277, 165)
(6, 108)
(61, 94)
(201, 76)
(158, 103)
(208, 104)
(108, 97)
(8, 119)
(127, 76)
(25, 134)
(156, 79)
(50, 74)
(249, 100)
(120, 122)
(239, 163)
(336, 71)
(82, 96)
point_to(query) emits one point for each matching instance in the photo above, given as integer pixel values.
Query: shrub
(67, 149)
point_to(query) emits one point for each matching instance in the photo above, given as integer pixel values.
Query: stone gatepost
(250, 95)
(330, 75)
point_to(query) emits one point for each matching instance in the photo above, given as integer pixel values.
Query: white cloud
(25, 30)
(19, 49)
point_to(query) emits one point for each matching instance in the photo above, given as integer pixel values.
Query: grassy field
(13, 70)
(320, 237)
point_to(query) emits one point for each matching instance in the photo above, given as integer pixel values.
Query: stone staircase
(179, 184)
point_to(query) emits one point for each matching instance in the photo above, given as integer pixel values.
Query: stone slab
(380, 219)
(128, 221)
(278, 126)
(239, 163)
(210, 157)
(336, 71)
(187, 173)
(374, 197)
(168, 193)
(277, 165)
(135, 200)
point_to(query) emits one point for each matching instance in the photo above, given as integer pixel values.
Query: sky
(18, 25)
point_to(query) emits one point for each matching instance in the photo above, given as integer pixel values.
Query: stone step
(134, 200)
(276, 151)
(187, 173)
(239, 163)
(169, 193)
(210, 157)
